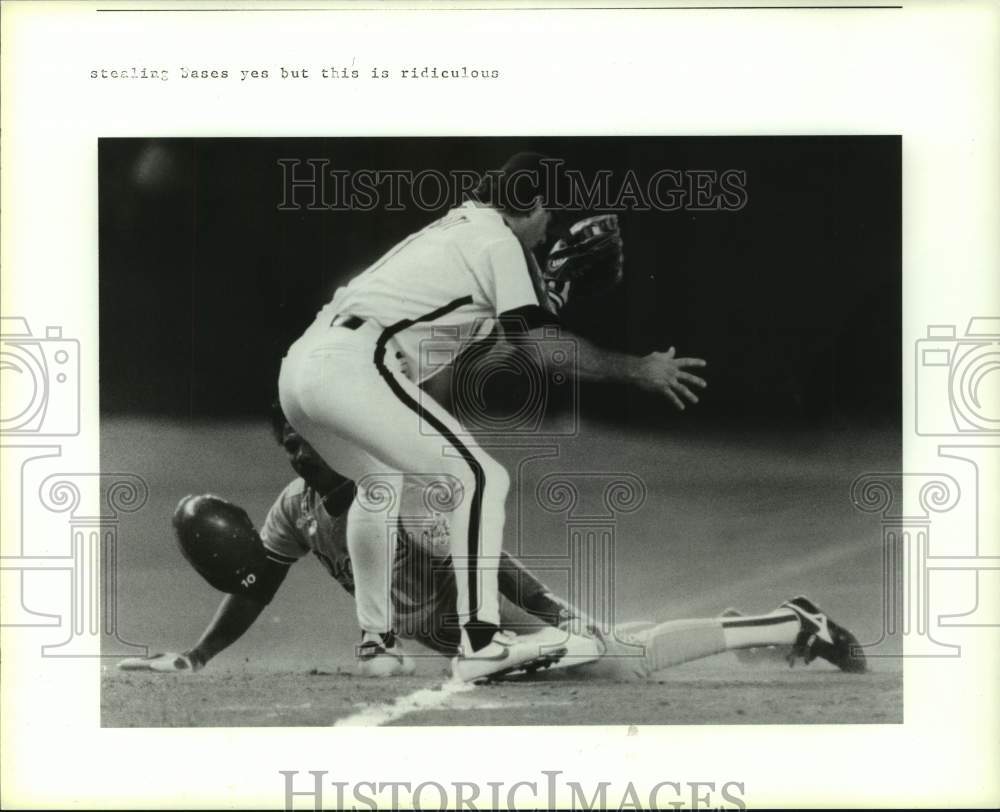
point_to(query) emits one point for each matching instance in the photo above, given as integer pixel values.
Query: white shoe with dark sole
(505, 654)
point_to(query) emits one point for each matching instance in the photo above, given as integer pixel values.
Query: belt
(348, 321)
(353, 323)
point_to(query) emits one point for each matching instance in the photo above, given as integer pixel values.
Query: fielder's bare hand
(664, 374)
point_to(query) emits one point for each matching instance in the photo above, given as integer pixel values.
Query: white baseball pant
(345, 392)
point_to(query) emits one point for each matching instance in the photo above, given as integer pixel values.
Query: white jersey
(442, 287)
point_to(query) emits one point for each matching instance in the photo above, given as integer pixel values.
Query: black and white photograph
(564, 430)
(499, 404)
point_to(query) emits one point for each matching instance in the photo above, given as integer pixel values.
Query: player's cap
(523, 178)
(525, 162)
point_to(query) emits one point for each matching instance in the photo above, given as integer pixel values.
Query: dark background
(795, 300)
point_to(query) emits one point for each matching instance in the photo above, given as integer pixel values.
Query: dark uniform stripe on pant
(479, 634)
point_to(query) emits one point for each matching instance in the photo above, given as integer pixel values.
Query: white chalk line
(423, 699)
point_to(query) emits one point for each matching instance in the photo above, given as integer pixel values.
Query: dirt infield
(745, 521)
(725, 694)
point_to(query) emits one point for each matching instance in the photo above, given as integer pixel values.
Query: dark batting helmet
(218, 540)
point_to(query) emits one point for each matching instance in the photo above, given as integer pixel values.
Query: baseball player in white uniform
(349, 385)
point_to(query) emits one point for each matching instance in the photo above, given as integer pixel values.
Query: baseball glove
(591, 259)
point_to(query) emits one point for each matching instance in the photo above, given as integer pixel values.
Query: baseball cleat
(505, 654)
(524, 672)
(580, 649)
(821, 637)
(380, 656)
